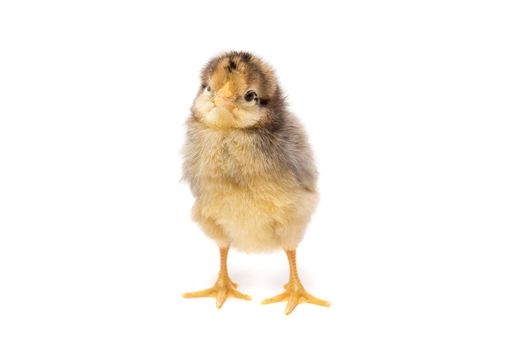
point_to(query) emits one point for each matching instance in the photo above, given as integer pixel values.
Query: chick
(250, 169)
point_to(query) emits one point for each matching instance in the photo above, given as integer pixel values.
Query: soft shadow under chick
(250, 168)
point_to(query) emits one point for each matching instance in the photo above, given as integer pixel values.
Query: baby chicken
(250, 169)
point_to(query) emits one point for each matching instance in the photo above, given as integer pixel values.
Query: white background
(415, 111)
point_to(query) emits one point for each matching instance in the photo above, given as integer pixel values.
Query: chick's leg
(294, 291)
(223, 288)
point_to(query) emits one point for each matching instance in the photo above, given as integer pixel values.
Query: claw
(222, 294)
(200, 294)
(292, 303)
(239, 295)
(275, 299)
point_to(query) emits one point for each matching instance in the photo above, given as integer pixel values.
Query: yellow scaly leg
(223, 288)
(294, 291)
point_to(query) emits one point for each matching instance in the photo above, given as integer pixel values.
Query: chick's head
(238, 90)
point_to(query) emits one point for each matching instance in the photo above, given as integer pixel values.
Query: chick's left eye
(250, 96)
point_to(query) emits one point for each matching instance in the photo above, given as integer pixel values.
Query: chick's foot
(294, 292)
(294, 295)
(223, 288)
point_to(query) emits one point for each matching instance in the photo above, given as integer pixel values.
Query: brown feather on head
(238, 90)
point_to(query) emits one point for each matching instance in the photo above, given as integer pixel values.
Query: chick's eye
(250, 96)
(207, 90)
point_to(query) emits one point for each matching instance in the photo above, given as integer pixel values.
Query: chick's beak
(224, 97)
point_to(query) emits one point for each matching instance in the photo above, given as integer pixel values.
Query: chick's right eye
(250, 96)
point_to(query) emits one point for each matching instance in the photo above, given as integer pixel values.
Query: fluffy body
(249, 166)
